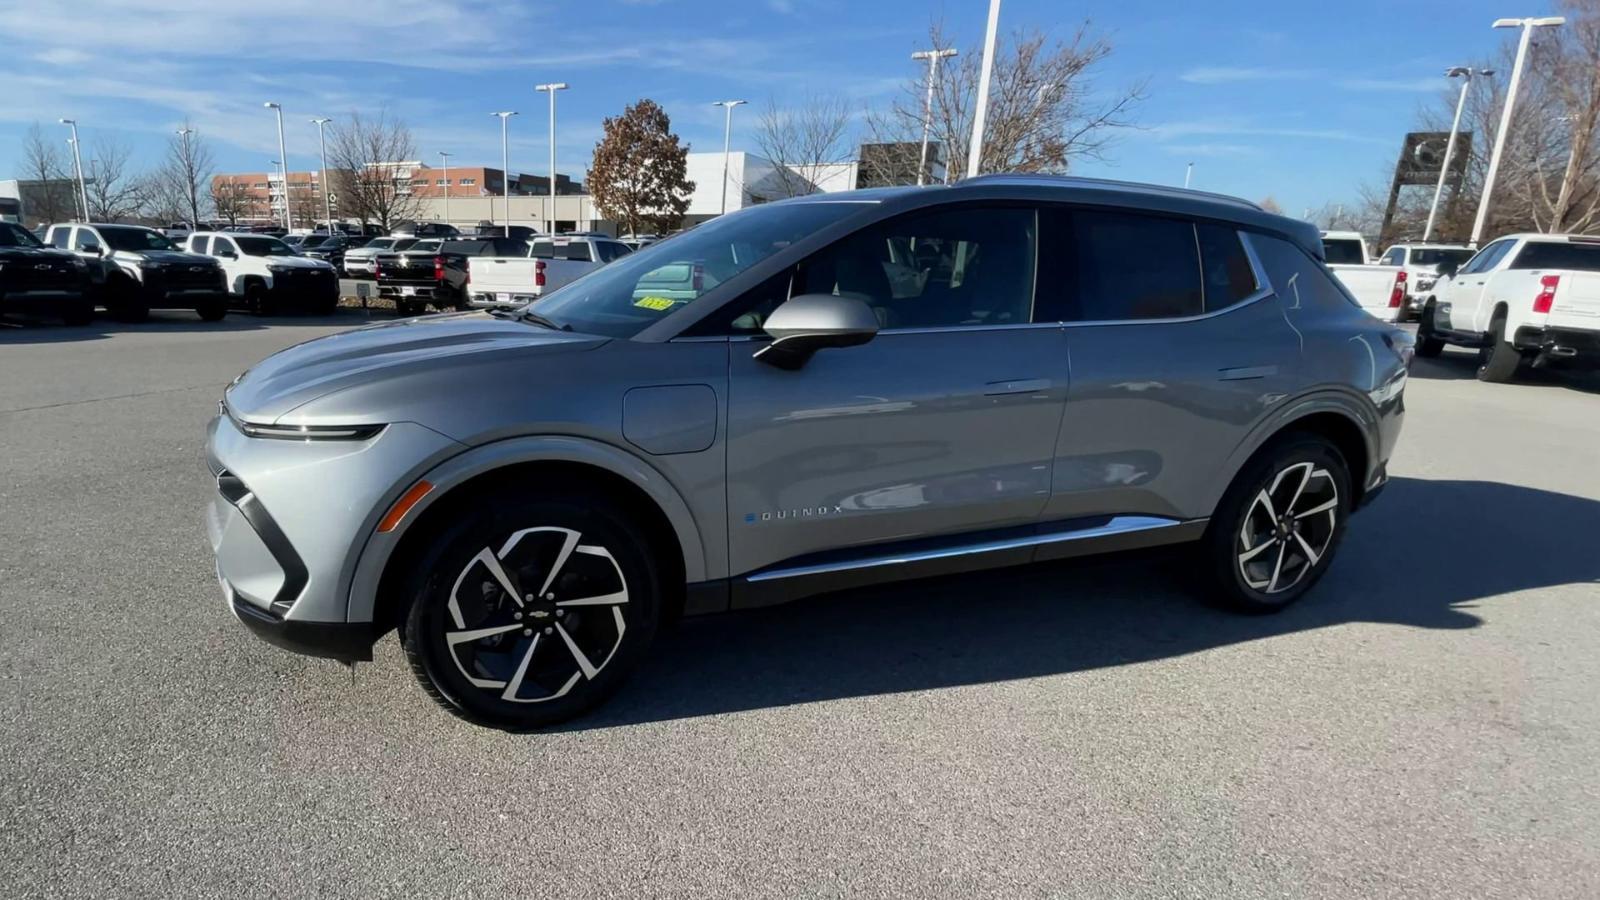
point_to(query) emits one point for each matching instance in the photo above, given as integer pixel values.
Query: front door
(944, 424)
(1465, 291)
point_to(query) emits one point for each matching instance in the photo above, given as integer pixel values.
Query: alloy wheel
(532, 619)
(1288, 528)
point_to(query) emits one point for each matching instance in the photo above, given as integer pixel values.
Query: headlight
(278, 270)
(149, 264)
(299, 432)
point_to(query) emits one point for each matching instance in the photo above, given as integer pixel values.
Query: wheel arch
(663, 512)
(1340, 419)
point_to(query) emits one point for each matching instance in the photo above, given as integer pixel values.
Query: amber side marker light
(391, 519)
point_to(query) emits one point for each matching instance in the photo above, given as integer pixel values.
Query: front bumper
(289, 519)
(354, 265)
(161, 289)
(1575, 346)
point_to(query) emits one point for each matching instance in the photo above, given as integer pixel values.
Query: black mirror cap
(1448, 269)
(812, 322)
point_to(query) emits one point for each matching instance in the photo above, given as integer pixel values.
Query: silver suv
(826, 392)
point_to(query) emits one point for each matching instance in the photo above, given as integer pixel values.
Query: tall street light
(975, 150)
(77, 164)
(322, 143)
(444, 162)
(933, 57)
(1465, 73)
(727, 137)
(551, 90)
(283, 156)
(1527, 26)
(505, 167)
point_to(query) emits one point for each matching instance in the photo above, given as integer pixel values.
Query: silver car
(827, 392)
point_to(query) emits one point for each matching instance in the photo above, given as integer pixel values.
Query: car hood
(430, 351)
(296, 262)
(37, 253)
(166, 257)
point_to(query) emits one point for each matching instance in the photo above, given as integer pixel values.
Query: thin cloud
(1249, 128)
(1412, 85)
(1231, 75)
(1212, 151)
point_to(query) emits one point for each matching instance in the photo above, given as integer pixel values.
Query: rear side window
(1102, 266)
(1343, 251)
(1298, 280)
(1551, 255)
(1228, 275)
(577, 250)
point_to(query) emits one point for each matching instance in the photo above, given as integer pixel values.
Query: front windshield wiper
(528, 315)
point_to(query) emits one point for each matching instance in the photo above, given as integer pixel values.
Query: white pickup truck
(551, 262)
(1379, 289)
(1523, 299)
(1421, 263)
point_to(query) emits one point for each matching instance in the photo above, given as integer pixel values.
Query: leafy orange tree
(639, 177)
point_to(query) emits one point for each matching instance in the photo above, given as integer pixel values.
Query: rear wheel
(1499, 361)
(1276, 529)
(533, 609)
(1428, 345)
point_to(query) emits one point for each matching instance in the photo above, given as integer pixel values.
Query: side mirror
(95, 251)
(1448, 269)
(227, 254)
(811, 322)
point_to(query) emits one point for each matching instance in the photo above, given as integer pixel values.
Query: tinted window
(134, 239)
(609, 250)
(381, 243)
(1487, 257)
(263, 246)
(1102, 266)
(84, 239)
(625, 297)
(542, 250)
(1433, 257)
(14, 236)
(312, 240)
(61, 237)
(1228, 276)
(1552, 255)
(202, 244)
(1343, 251)
(1394, 257)
(1297, 279)
(577, 250)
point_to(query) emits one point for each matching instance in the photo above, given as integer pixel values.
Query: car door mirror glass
(812, 322)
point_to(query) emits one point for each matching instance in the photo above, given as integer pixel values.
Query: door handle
(1016, 386)
(1245, 373)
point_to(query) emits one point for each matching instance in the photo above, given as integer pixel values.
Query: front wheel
(1276, 529)
(533, 609)
(1429, 345)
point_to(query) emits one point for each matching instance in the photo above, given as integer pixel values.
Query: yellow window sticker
(655, 303)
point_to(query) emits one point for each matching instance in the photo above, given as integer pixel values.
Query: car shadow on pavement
(1393, 567)
(25, 329)
(1462, 365)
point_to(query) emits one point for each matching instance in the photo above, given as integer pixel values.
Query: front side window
(1395, 257)
(202, 244)
(624, 298)
(1110, 266)
(263, 246)
(61, 238)
(84, 239)
(1486, 258)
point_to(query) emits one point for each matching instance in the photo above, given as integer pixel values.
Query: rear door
(1177, 348)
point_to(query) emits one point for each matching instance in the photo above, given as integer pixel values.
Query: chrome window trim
(1117, 525)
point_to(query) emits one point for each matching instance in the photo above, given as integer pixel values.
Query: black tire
(1499, 361)
(409, 308)
(530, 533)
(1245, 563)
(124, 301)
(212, 310)
(77, 313)
(1428, 346)
(257, 299)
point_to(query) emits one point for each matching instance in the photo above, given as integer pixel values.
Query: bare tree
(55, 198)
(177, 187)
(363, 153)
(1042, 113)
(115, 193)
(232, 198)
(801, 141)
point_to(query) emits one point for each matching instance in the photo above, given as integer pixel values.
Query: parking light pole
(283, 157)
(1465, 73)
(322, 143)
(1527, 26)
(932, 56)
(727, 144)
(975, 150)
(444, 162)
(551, 90)
(505, 166)
(77, 164)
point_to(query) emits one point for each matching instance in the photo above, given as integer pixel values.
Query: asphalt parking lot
(1425, 724)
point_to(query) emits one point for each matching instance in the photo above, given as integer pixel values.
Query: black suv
(38, 280)
(134, 269)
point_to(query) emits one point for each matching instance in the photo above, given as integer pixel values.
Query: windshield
(312, 240)
(16, 236)
(623, 298)
(1429, 257)
(1342, 251)
(1552, 255)
(134, 239)
(263, 246)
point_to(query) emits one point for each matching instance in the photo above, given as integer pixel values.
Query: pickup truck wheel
(1428, 346)
(533, 609)
(1277, 527)
(1499, 361)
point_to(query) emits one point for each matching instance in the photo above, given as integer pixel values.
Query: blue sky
(1295, 100)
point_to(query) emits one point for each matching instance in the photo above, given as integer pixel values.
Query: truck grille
(312, 282)
(184, 278)
(42, 275)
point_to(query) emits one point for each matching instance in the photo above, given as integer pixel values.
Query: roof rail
(1079, 181)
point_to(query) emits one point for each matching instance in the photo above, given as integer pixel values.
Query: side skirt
(926, 557)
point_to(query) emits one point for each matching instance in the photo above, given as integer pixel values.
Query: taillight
(1398, 295)
(1547, 293)
(438, 268)
(538, 273)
